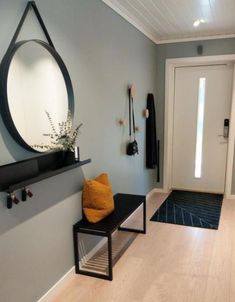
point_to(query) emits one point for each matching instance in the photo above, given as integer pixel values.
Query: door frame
(171, 65)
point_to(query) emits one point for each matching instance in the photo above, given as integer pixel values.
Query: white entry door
(203, 97)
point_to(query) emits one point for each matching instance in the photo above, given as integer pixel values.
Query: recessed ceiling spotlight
(198, 22)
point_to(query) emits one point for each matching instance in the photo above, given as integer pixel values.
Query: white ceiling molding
(130, 20)
(170, 22)
(196, 39)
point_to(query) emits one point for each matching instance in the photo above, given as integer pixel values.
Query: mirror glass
(36, 85)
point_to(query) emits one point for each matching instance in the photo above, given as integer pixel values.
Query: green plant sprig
(65, 138)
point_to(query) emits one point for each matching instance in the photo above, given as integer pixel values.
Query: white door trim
(171, 64)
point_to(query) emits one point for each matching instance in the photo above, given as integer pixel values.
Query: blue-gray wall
(180, 50)
(103, 54)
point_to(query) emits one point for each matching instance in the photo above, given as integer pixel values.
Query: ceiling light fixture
(198, 22)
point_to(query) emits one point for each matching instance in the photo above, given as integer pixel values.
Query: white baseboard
(156, 190)
(232, 196)
(54, 290)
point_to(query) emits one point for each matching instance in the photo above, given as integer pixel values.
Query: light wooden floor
(171, 263)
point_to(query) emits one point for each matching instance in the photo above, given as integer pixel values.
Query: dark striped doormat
(191, 208)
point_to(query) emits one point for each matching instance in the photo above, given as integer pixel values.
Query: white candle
(76, 153)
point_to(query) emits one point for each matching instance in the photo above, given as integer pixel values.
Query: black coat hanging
(152, 154)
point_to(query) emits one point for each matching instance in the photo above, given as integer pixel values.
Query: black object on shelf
(20, 174)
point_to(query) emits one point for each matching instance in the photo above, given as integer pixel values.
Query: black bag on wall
(132, 146)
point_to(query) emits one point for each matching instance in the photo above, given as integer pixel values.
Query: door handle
(226, 129)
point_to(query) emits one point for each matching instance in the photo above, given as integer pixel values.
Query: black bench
(125, 205)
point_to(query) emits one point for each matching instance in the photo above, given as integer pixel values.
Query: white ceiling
(165, 21)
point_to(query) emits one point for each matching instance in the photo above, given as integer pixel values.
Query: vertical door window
(200, 126)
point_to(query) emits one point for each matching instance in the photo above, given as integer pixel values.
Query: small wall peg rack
(20, 175)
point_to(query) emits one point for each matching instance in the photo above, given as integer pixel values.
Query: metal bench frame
(107, 227)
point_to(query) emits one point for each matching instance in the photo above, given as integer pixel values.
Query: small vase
(69, 157)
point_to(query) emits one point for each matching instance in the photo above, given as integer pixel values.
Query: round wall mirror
(35, 83)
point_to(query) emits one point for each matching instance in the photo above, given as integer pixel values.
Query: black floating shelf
(47, 174)
(20, 174)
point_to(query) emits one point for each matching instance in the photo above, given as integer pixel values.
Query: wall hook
(146, 113)
(122, 122)
(9, 201)
(137, 128)
(26, 193)
(132, 91)
(11, 198)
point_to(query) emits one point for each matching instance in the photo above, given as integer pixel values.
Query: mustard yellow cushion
(97, 198)
(104, 179)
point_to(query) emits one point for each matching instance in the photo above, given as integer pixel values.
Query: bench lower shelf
(98, 263)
